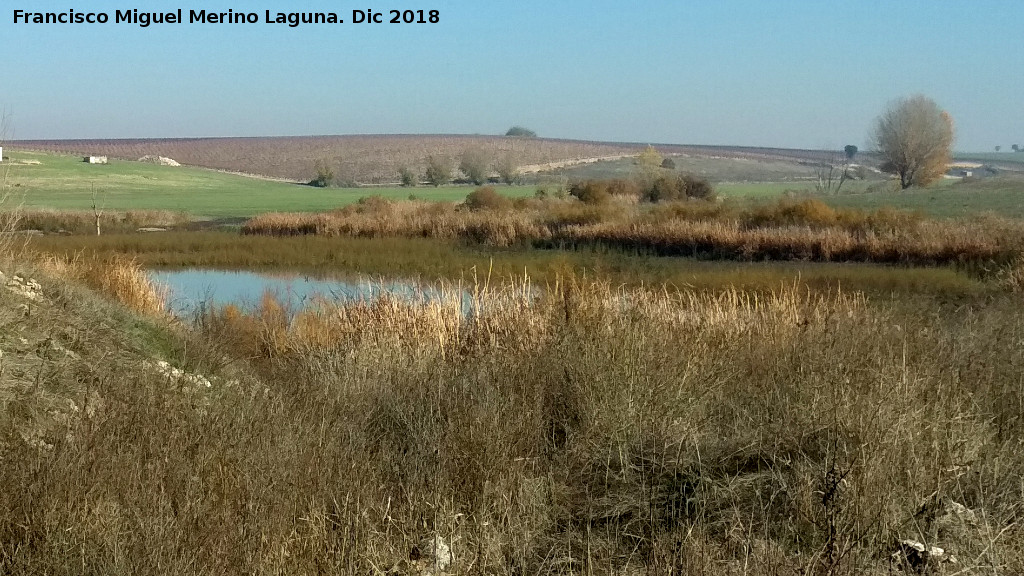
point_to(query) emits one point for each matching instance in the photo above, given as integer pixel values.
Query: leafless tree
(914, 137)
(473, 164)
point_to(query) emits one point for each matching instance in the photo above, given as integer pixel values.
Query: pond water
(190, 289)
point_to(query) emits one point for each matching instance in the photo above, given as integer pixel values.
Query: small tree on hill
(914, 137)
(474, 165)
(1015, 147)
(998, 148)
(520, 132)
(850, 150)
(439, 171)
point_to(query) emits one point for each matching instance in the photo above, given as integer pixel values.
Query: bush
(810, 212)
(601, 191)
(590, 191)
(487, 198)
(678, 187)
(668, 164)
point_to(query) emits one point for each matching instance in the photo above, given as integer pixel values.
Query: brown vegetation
(579, 429)
(84, 221)
(802, 230)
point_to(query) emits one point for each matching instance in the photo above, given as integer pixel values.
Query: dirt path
(534, 168)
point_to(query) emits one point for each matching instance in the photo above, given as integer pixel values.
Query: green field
(42, 180)
(65, 182)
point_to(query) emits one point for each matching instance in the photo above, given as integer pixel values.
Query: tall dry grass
(807, 230)
(580, 429)
(119, 278)
(84, 221)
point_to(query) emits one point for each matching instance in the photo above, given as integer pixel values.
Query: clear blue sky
(806, 74)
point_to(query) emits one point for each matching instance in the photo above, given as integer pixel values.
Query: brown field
(376, 159)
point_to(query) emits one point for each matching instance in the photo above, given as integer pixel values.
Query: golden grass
(580, 429)
(84, 221)
(118, 278)
(807, 230)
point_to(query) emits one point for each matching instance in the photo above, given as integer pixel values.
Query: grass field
(65, 182)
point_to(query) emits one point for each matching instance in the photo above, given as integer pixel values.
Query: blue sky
(807, 74)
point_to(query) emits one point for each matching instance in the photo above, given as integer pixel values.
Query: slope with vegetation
(582, 429)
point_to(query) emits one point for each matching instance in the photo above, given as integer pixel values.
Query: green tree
(521, 132)
(439, 171)
(850, 150)
(915, 138)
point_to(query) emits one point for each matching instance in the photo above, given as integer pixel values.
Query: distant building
(966, 173)
(1, 153)
(95, 159)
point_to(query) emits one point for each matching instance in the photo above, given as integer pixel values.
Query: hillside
(376, 159)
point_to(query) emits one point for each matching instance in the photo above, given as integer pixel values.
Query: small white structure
(1, 154)
(96, 159)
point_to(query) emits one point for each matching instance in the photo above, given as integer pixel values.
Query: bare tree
(439, 171)
(97, 211)
(473, 164)
(914, 137)
(507, 170)
(833, 172)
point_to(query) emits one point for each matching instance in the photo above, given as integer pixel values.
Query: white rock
(440, 553)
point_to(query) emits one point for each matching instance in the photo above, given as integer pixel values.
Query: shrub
(487, 198)
(678, 187)
(590, 191)
(668, 164)
(810, 212)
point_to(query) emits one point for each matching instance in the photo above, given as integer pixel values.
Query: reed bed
(788, 230)
(119, 278)
(84, 221)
